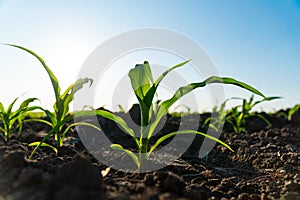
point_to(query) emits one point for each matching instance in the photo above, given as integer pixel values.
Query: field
(54, 155)
(264, 165)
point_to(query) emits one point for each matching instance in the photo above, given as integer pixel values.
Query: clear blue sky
(254, 41)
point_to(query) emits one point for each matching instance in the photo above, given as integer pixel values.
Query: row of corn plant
(238, 115)
(13, 119)
(145, 88)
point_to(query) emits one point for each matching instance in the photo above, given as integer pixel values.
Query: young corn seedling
(61, 115)
(290, 113)
(145, 88)
(217, 123)
(237, 115)
(12, 120)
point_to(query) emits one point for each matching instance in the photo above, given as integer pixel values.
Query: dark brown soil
(265, 165)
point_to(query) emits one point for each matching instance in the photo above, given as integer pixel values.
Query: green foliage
(180, 113)
(290, 112)
(121, 108)
(145, 89)
(61, 116)
(237, 115)
(13, 119)
(217, 122)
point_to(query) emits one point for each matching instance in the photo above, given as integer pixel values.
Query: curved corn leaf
(51, 116)
(52, 77)
(39, 120)
(111, 116)
(164, 106)
(9, 109)
(226, 80)
(76, 86)
(18, 113)
(150, 94)
(128, 152)
(67, 96)
(163, 138)
(79, 124)
(265, 99)
(292, 111)
(264, 119)
(25, 103)
(44, 145)
(163, 75)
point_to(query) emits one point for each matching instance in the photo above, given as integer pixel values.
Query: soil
(265, 165)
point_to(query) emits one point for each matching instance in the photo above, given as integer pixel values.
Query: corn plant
(12, 120)
(145, 89)
(61, 115)
(290, 113)
(237, 115)
(216, 123)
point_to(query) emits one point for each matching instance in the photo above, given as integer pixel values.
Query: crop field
(44, 156)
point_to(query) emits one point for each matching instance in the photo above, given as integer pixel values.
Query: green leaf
(25, 103)
(1, 108)
(67, 96)
(52, 77)
(39, 120)
(163, 138)
(148, 72)
(79, 124)
(265, 99)
(9, 109)
(44, 145)
(163, 75)
(263, 118)
(108, 115)
(59, 109)
(226, 80)
(21, 112)
(292, 111)
(140, 80)
(163, 109)
(73, 88)
(128, 152)
(51, 116)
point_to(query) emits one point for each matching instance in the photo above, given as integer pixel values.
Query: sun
(65, 52)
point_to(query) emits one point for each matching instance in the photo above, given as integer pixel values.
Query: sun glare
(65, 52)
